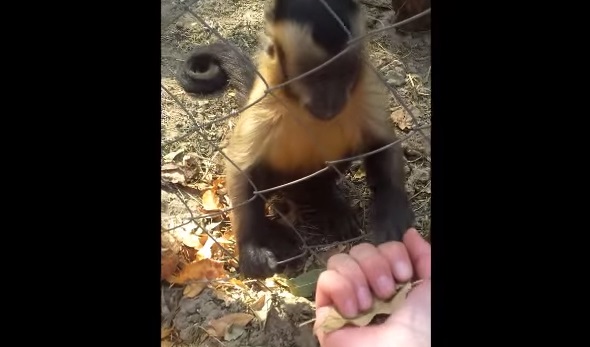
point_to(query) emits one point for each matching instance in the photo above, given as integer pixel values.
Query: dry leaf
(238, 283)
(261, 307)
(198, 270)
(211, 201)
(187, 237)
(192, 241)
(170, 156)
(258, 304)
(202, 186)
(229, 235)
(189, 254)
(168, 241)
(166, 332)
(335, 321)
(219, 182)
(169, 262)
(172, 173)
(233, 263)
(224, 241)
(190, 159)
(194, 289)
(401, 119)
(281, 280)
(222, 326)
(205, 251)
(212, 226)
(166, 343)
(270, 283)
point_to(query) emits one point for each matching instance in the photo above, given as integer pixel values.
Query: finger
(335, 289)
(345, 265)
(372, 336)
(419, 252)
(399, 260)
(376, 269)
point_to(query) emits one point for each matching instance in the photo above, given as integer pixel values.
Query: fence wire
(198, 128)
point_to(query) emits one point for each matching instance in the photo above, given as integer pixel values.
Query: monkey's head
(304, 34)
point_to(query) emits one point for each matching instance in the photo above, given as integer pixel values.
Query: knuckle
(391, 247)
(363, 251)
(336, 259)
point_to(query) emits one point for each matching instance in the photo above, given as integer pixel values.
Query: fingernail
(385, 285)
(364, 296)
(402, 270)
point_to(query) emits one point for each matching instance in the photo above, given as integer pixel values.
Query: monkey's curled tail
(209, 69)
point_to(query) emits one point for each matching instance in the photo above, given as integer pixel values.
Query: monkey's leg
(392, 212)
(340, 217)
(328, 206)
(255, 234)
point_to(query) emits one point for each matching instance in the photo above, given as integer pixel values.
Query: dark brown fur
(405, 9)
(279, 140)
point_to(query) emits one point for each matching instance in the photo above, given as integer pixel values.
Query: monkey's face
(325, 92)
(305, 35)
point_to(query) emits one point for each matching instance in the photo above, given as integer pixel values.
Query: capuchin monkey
(334, 113)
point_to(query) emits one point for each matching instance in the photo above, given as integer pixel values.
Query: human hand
(349, 279)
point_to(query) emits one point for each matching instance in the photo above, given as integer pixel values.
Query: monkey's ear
(271, 50)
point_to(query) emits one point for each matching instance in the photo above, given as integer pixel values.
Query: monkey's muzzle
(327, 106)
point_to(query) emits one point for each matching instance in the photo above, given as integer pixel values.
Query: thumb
(350, 336)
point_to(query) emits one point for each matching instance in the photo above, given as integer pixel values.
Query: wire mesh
(198, 128)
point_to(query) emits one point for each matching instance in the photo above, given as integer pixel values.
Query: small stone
(422, 175)
(189, 305)
(396, 78)
(181, 320)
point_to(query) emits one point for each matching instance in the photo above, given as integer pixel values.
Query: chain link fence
(198, 127)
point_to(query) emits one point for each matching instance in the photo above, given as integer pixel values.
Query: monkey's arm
(392, 213)
(252, 229)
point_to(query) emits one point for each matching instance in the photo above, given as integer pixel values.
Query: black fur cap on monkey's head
(305, 34)
(326, 31)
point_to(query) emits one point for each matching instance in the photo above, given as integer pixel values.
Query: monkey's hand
(392, 217)
(342, 222)
(257, 262)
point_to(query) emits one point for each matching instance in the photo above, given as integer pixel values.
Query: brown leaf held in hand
(202, 269)
(211, 201)
(335, 321)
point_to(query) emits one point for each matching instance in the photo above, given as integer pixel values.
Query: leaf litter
(195, 264)
(198, 269)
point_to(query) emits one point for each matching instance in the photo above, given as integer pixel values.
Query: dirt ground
(277, 312)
